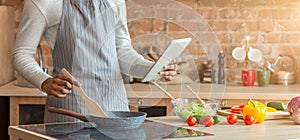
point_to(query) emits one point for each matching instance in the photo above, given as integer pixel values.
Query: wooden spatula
(92, 106)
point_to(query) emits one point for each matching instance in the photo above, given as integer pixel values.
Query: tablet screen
(173, 51)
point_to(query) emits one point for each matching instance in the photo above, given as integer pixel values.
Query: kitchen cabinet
(20, 96)
(229, 95)
(7, 37)
(12, 97)
(149, 95)
(146, 95)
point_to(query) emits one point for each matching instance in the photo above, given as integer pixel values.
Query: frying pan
(122, 120)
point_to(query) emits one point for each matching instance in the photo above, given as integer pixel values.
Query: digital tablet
(173, 51)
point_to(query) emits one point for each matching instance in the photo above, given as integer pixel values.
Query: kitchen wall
(273, 25)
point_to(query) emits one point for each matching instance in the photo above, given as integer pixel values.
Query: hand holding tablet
(173, 51)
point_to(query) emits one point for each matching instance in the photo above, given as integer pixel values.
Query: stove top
(85, 131)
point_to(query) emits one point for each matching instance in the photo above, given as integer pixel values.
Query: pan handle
(67, 112)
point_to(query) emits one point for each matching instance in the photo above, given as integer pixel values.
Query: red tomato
(191, 121)
(241, 106)
(191, 131)
(237, 109)
(248, 120)
(208, 121)
(232, 118)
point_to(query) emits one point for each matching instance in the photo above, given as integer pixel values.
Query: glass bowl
(185, 107)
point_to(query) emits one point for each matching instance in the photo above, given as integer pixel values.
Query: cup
(248, 77)
(263, 78)
(254, 55)
(239, 53)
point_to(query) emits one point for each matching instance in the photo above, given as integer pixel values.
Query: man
(90, 39)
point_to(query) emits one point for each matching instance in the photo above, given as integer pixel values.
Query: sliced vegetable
(191, 109)
(184, 113)
(199, 118)
(237, 109)
(197, 108)
(271, 109)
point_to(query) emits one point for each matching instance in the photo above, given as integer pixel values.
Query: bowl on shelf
(185, 107)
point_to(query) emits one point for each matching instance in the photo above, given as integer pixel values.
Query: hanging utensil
(269, 66)
(92, 106)
(276, 61)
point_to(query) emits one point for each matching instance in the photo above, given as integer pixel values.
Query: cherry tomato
(191, 121)
(208, 121)
(216, 119)
(248, 120)
(191, 131)
(232, 118)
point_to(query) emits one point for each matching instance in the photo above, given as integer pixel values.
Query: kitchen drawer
(31, 114)
(135, 103)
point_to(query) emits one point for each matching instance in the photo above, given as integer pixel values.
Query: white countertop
(270, 130)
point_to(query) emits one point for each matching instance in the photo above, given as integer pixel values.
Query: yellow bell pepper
(269, 109)
(255, 109)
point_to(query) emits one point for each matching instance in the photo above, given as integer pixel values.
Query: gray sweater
(42, 18)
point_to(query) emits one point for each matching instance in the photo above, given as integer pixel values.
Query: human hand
(169, 71)
(58, 86)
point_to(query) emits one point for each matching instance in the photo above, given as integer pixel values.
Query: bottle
(221, 72)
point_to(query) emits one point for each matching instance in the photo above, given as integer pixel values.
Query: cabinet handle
(223, 103)
(140, 101)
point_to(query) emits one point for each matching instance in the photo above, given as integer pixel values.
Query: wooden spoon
(195, 94)
(92, 106)
(163, 90)
(201, 101)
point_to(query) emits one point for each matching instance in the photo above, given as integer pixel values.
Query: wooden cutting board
(270, 115)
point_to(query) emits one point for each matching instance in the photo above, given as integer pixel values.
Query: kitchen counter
(11, 90)
(270, 129)
(20, 96)
(228, 91)
(149, 95)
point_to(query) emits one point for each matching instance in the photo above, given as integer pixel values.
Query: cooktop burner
(85, 131)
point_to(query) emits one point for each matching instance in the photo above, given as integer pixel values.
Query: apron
(86, 47)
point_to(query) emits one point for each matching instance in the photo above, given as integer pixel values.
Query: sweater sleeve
(131, 63)
(31, 28)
